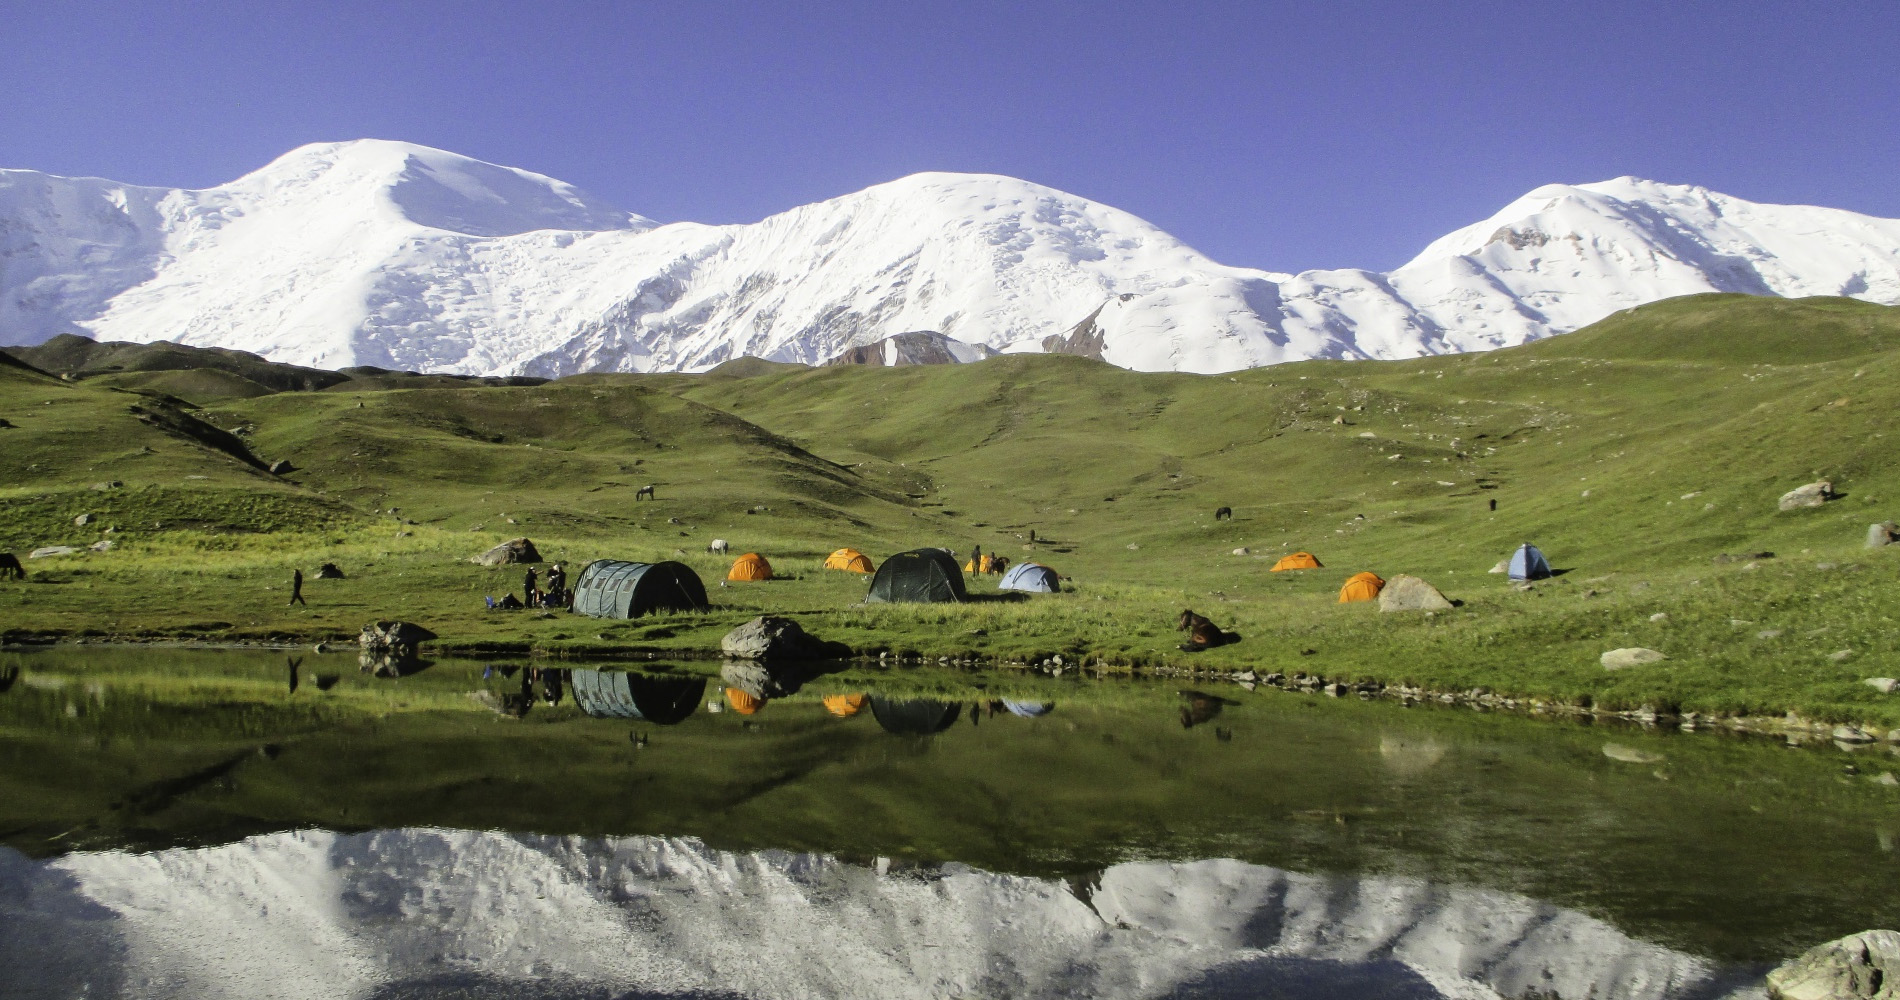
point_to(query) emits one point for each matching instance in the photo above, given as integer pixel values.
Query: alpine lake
(191, 822)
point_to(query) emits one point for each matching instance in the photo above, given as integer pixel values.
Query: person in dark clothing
(293, 663)
(296, 589)
(1494, 505)
(529, 589)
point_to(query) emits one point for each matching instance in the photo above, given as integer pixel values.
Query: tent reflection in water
(845, 706)
(609, 588)
(1032, 577)
(620, 695)
(915, 717)
(920, 575)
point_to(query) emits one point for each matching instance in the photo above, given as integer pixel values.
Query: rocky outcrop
(1864, 966)
(48, 551)
(514, 550)
(769, 637)
(1812, 495)
(922, 347)
(1883, 534)
(1409, 593)
(1634, 656)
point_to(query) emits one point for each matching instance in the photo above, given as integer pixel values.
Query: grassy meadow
(1634, 453)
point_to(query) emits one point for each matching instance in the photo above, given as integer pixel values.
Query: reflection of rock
(765, 680)
(319, 914)
(1630, 755)
(1864, 965)
(1406, 756)
(389, 647)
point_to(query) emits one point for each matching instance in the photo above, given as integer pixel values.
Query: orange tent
(743, 703)
(845, 706)
(850, 560)
(750, 566)
(1298, 560)
(1361, 587)
(986, 564)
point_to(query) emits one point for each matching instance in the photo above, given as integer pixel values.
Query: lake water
(241, 823)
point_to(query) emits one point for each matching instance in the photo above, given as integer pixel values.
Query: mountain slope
(389, 254)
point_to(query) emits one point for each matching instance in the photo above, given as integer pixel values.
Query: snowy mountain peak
(399, 255)
(431, 187)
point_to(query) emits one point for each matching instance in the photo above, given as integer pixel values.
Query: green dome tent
(615, 694)
(920, 575)
(608, 588)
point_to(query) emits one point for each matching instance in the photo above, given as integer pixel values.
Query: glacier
(373, 252)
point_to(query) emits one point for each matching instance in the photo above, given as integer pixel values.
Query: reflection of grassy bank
(1634, 453)
(1735, 848)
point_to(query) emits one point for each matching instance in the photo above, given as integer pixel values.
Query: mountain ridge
(390, 254)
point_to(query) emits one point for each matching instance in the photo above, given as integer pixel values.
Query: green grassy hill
(1633, 452)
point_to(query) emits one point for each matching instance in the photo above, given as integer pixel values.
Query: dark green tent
(915, 718)
(608, 588)
(921, 575)
(617, 694)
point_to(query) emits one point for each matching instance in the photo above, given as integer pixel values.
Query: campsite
(1643, 456)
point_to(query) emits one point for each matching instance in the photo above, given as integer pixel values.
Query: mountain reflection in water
(426, 912)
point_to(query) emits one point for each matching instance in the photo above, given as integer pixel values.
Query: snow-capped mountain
(437, 912)
(401, 256)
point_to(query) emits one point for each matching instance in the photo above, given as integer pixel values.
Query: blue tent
(1033, 577)
(1527, 563)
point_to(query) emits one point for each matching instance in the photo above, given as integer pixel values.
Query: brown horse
(10, 568)
(1202, 634)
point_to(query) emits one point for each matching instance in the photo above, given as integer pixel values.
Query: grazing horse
(10, 568)
(1223, 513)
(1202, 634)
(999, 564)
(645, 492)
(718, 545)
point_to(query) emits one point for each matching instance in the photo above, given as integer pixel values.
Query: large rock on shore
(1864, 966)
(1812, 495)
(1409, 593)
(1883, 534)
(769, 637)
(514, 550)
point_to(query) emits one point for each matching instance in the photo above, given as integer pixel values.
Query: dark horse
(644, 491)
(1223, 513)
(10, 568)
(1202, 634)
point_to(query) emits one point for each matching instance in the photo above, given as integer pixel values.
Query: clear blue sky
(1266, 134)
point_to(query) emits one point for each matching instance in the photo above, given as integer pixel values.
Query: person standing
(529, 590)
(296, 589)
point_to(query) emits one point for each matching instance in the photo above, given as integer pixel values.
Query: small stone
(82, 520)
(1243, 550)
(1840, 655)
(104, 545)
(1132, 547)
(1884, 685)
(1503, 566)
(1886, 778)
(1768, 633)
(1852, 734)
(1660, 616)
(1823, 566)
(1633, 656)
(108, 485)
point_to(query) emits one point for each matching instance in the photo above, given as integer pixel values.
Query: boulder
(1884, 685)
(1852, 734)
(82, 520)
(103, 545)
(388, 647)
(1409, 593)
(111, 484)
(1242, 551)
(1882, 534)
(514, 550)
(329, 571)
(1633, 656)
(51, 550)
(769, 637)
(1503, 566)
(281, 467)
(1812, 495)
(1864, 965)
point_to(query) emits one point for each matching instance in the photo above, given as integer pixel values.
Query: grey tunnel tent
(921, 575)
(608, 588)
(914, 718)
(1528, 563)
(1033, 577)
(620, 695)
